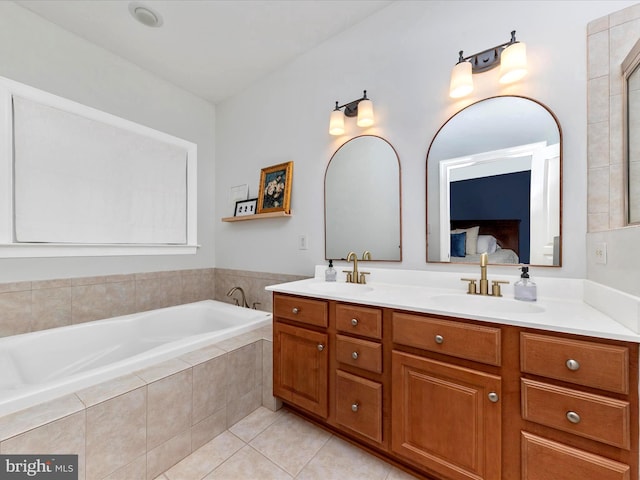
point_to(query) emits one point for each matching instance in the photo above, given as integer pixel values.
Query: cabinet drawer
(363, 321)
(303, 310)
(592, 416)
(359, 353)
(544, 459)
(585, 363)
(473, 342)
(359, 405)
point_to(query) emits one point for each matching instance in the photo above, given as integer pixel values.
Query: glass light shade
(513, 63)
(461, 80)
(336, 123)
(365, 113)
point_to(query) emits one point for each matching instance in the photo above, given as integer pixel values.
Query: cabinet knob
(354, 355)
(354, 322)
(573, 417)
(439, 339)
(354, 407)
(295, 310)
(493, 397)
(320, 347)
(572, 365)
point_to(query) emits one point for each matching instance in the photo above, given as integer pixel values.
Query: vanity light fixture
(362, 108)
(510, 56)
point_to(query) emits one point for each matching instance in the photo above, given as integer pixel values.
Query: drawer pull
(354, 355)
(354, 407)
(354, 322)
(573, 417)
(320, 347)
(493, 397)
(295, 310)
(573, 365)
(439, 339)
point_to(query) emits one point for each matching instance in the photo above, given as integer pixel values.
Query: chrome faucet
(484, 283)
(244, 299)
(355, 276)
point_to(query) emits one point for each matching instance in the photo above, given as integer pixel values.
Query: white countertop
(561, 306)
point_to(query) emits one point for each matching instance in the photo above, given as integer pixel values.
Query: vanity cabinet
(446, 417)
(454, 399)
(580, 388)
(301, 353)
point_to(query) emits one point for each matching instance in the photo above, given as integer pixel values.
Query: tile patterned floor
(268, 445)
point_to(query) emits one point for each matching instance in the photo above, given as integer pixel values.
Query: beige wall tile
(242, 362)
(598, 49)
(616, 196)
(162, 370)
(240, 407)
(625, 15)
(598, 191)
(55, 283)
(64, 436)
(598, 102)
(202, 355)
(168, 454)
(598, 222)
(51, 308)
(134, 470)
(598, 145)
(209, 388)
(15, 308)
(89, 302)
(198, 285)
(116, 433)
(209, 428)
(162, 291)
(616, 131)
(15, 287)
(598, 25)
(169, 408)
(120, 298)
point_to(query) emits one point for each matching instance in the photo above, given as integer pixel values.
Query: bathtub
(39, 366)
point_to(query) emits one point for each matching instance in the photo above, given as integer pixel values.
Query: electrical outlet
(303, 242)
(600, 253)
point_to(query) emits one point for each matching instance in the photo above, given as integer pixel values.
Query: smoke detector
(145, 15)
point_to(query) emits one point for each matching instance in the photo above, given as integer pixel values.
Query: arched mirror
(362, 200)
(494, 185)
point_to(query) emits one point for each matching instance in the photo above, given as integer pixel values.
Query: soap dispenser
(330, 273)
(525, 289)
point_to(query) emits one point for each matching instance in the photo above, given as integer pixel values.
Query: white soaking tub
(36, 367)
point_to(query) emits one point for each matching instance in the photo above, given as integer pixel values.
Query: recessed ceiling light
(145, 15)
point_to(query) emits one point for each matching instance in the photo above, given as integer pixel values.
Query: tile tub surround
(609, 40)
(38, 305)
(141, 424)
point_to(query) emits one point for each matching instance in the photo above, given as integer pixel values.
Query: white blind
(78, 180)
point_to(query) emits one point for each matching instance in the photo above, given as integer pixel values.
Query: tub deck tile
(38, 415)
(109, 389)
(162, 370)
(202, 355)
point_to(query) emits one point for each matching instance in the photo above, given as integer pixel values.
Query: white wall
(403, 56)
(40, 54)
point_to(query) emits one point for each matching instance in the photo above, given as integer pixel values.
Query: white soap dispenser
(524, 289)
(330, 273)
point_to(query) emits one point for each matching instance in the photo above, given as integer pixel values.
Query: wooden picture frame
(274, 194)
(245, 207)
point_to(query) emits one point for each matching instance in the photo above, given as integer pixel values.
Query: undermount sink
(483, 304)
(340, 287)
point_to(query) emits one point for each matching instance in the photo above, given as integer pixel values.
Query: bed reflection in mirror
(494, 181)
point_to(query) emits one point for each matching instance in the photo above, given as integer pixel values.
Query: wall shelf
(257, 216)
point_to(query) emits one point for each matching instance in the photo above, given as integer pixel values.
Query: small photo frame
(246, 207)
(274, 194)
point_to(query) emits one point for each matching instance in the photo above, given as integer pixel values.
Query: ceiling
(212, 48)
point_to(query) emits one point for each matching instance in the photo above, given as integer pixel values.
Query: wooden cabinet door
(301, 367)
(446, 418)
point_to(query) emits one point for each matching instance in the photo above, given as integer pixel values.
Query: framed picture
(246, 207)
(274, 194)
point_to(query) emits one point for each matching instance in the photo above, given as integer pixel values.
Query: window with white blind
(84, 182)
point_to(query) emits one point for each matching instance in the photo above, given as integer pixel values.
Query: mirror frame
(560, 139)
(399, 197)
(630, 65)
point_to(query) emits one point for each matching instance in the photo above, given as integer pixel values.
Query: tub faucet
(244, 299)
